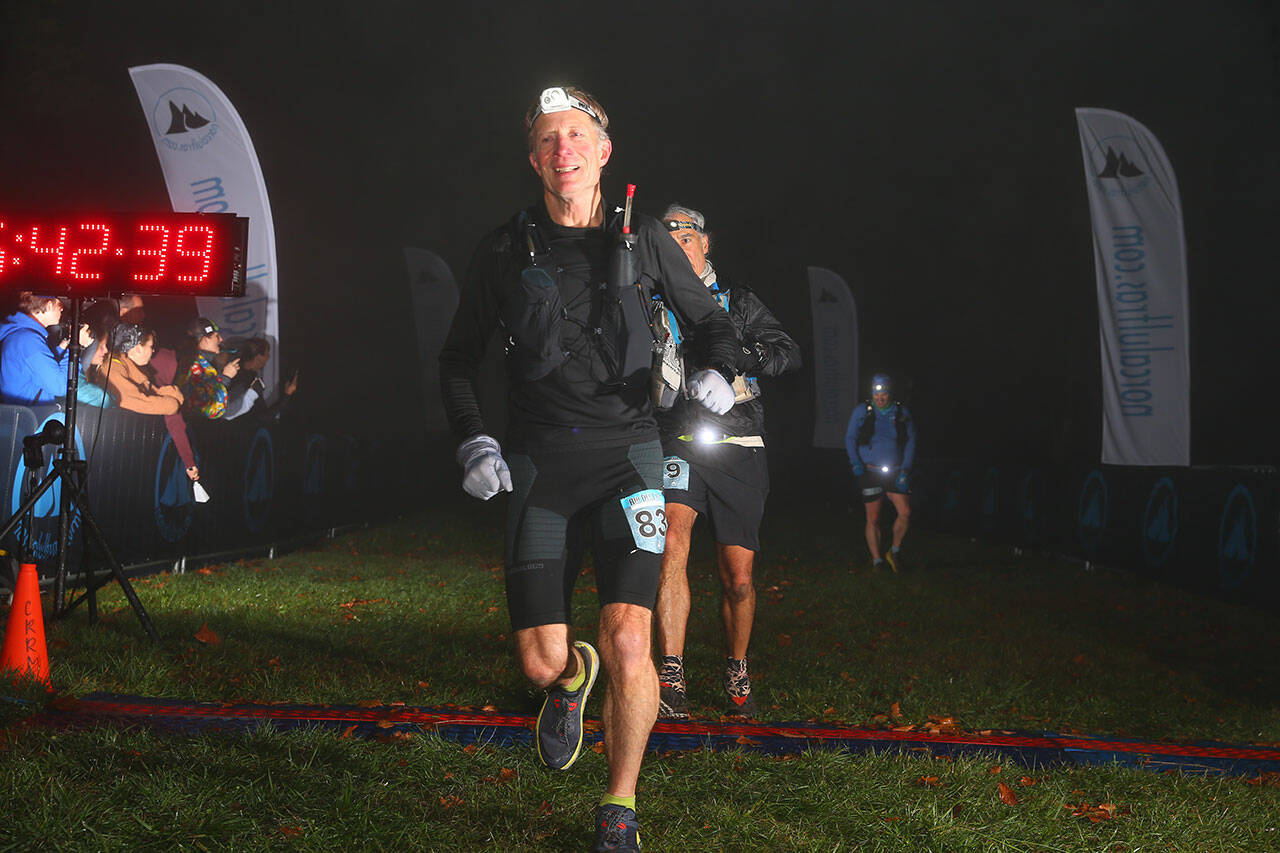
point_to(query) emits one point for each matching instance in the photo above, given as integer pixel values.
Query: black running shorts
(613, 494)
(875, 483)
(727, 483)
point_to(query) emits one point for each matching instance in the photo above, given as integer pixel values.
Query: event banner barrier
(1211, 529)
(267, 482)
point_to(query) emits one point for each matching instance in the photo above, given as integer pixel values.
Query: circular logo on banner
(990, 509)
(950, 500)
(259, 481)
(42, 537)
(1091, 516)
(175, 503)
(1120, 167)
(1237, 538)
(351, 474)
(313, 476)
(184, 120)
(1029, 505)
(1160, 524)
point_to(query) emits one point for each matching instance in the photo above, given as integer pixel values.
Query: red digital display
(96, 254)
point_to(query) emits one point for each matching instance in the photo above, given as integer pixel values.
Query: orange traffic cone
(24, 649)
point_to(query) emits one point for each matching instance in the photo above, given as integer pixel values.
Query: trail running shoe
(616, 829)
(672, 704)
(559, 728)
(895, 560)
(737, 684)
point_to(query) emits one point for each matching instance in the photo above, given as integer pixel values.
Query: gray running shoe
(737, 684)
(559, 727)
(672, 704)
(616, 829)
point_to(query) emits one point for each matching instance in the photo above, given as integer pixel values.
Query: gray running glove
(485, 472)
(710, 389)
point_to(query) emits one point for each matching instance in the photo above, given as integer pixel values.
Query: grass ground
(413, 611)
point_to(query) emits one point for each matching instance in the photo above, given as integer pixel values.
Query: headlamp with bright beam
(678, 224)
(707, 435)
(557, 100)
(884, 469)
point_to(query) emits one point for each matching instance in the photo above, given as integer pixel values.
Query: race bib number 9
(675, 473)
(646, 512)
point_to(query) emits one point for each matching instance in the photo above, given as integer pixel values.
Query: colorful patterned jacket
(204, 388)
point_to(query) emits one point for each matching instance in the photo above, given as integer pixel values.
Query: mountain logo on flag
(182, 120)
(1119, 166)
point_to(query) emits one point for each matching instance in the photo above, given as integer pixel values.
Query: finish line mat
(495, 728)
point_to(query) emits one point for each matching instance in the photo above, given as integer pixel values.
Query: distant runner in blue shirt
(881, 441)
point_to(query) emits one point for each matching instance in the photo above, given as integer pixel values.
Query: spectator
(204, 385)
(131, 349)
(32, 371)
(247, 393)
(164, 367)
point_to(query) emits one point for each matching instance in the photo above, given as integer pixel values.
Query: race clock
(100, 254)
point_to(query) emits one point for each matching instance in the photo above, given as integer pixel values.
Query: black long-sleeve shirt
(575, 406)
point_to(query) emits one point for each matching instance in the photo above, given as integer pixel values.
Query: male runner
(583, 455)
(716, 465)
(881, 441)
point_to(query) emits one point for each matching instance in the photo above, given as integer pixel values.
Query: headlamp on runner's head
(557, 100)
(678, 224)
(880, 384)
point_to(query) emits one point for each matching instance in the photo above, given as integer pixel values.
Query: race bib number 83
(646, 512)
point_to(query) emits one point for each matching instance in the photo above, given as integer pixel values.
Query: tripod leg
(92, 528)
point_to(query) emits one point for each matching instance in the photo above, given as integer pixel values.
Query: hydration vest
(620, 324)
(868, 426)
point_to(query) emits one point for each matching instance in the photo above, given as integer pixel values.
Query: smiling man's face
(568, 153)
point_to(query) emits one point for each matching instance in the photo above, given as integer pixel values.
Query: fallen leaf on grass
(207, 636)
(598, 747)
(346, 733)
(1100, 812)
(895, 710)
(746, 741)
(424, 684)
(929, 781)
(507, 774)
(993, 770)
(1027, 781)
(545, 808)
(784, 640)
(451, 801)
(385, 724)
(204, 571)
(1007, 796)
(291, 831)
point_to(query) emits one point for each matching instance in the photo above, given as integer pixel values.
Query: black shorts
(616, 493)
(727, 483)
(873, 485)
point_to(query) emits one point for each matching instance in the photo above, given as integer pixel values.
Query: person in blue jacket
(881, 441)
(32, 372)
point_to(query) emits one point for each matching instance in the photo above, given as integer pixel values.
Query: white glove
(485, 472)
(709, 388)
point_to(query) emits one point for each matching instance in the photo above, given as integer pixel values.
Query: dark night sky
(925, 151)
